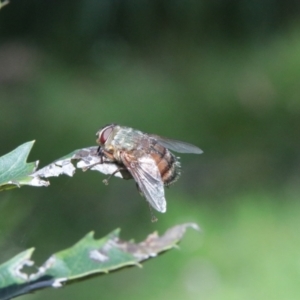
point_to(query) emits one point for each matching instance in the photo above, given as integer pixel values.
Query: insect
(145, 158)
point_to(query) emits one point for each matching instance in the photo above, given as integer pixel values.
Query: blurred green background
(223, 75)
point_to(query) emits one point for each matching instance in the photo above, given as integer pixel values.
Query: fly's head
(105, 136)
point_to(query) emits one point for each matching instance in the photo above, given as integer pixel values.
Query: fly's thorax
(127, 139)
(167, 163)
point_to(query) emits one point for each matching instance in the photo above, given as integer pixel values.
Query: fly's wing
(177, 146)
(146, 174)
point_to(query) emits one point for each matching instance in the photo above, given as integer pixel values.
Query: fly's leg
(153, 217)
(101, 154)
(91, 166)
(105, 181)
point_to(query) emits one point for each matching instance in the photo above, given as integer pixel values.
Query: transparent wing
(147, 176)
(178, 146)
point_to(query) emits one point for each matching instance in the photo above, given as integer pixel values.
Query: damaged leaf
(89, 257)
(85, 159)
(14, 171)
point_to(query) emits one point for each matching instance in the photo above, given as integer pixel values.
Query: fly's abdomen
(167, 163)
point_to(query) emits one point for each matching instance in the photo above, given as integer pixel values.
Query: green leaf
(12, 280)
(89, 257)
(14, 171)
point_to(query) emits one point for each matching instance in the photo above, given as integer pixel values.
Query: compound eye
(104, 134)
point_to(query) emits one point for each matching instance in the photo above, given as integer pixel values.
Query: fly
(145, 157)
